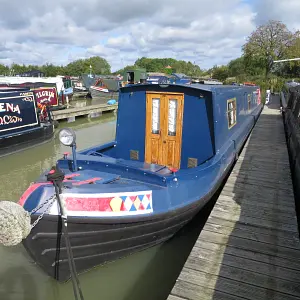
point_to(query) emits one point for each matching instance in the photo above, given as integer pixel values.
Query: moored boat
(24, 123)
(168, 159)
(105, 89)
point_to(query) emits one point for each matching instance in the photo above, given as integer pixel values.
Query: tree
(267, 43)
(99, 66)
(4, 69)
(220, 73)
(236, 67)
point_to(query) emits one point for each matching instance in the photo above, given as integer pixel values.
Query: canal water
(147, 275)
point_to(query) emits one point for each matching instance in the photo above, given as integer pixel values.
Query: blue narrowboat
(174, 146)
(24, 122)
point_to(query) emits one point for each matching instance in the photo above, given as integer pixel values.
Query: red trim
(92, 180)
(71, 175)
(29, 191)
(88, 204)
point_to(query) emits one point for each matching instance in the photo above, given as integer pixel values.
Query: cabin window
(130, 76)
(231, 112)
(249, 101)
(172, 117)
(155, 115)
(254, 97)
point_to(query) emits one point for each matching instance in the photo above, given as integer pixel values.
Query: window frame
(232, 100)
(249, 101)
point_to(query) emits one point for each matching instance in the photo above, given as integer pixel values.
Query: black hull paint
(99, 241)
(27, 140)
(95, 244)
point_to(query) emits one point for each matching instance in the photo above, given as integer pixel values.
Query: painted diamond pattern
(119, 203)
(128, 203)
(137, 202)
(146, 202)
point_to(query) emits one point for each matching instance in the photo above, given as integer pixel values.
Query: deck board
(249, 247)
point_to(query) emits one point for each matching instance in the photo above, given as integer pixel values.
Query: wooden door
(164, 115)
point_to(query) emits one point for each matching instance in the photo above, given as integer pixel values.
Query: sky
(207, 32)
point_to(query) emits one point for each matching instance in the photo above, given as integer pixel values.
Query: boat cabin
(181, 126)
(111, 85)
(135, 76)
(18, 112)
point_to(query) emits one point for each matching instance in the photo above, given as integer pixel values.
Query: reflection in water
(147, 275)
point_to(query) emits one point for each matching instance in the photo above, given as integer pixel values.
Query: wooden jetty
(83, 111)
(249, 247)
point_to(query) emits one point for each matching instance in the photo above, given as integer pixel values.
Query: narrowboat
(174, 145)
(105, 89)
(24, 123)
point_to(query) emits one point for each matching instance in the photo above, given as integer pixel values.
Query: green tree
(220, 73)
(99, 66)
(236, 67)
(4, 70)
(267, 43)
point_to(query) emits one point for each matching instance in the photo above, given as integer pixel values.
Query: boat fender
(14, 223)
(111, 101)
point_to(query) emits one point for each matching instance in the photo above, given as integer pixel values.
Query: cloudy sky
(207, 32)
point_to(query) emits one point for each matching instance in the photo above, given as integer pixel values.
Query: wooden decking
(83, 111)
(249, 247)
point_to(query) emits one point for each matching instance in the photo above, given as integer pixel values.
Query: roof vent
(134, 155)
(192, 162)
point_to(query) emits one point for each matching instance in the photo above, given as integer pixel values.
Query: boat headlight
(67, 136)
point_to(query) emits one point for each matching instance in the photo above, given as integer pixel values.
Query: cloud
(285, 11)
(121, 31)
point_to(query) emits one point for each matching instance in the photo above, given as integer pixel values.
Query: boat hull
(96, 242)
(25, 140)
(103, 97)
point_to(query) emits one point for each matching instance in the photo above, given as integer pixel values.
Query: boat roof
(199, 86)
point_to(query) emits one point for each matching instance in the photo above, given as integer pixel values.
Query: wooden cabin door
(164, 115)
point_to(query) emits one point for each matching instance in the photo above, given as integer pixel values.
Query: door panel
(164, 117)
(153, 129)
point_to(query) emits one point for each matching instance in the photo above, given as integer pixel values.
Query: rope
(56, 176)
(15, 225)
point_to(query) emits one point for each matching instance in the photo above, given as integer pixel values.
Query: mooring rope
(56, 176)
(15, 224)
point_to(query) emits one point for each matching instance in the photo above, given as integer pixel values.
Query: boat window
(130, 77)
(249, 101)
(254, 97)
(155, 115)
(231, 112)
(172, 117)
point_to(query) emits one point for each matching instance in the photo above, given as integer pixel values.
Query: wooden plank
(236, 211)
(242, 243)
(249, 247)
(265, 190)
(264, 279)
(82, 111)
(289, 239)
(252, 196)
(231, 199)
(237, 261)
(252, 233)
(226, 285)
(268, 223)
(190, 291)
(288, 263)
